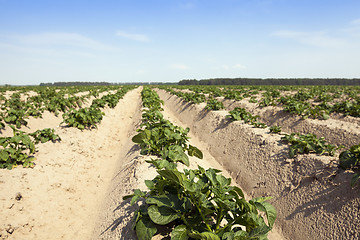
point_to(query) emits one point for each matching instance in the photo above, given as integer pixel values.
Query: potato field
(180, 162)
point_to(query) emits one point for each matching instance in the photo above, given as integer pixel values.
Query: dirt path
(62, 194)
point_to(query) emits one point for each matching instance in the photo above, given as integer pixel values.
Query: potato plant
(193, 204)
(239, 113)
(213, 104)
(84, 118)
(160, 137)
(275, 129)
(199, 204)
(350, 159)
(308, 143)
(16, 150)
(45, 135)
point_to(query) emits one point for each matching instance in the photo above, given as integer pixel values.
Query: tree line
(66, 84)
(272, 81)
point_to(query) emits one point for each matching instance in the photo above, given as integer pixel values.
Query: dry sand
(62, 194)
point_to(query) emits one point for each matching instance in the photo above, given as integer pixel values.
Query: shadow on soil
(126, 231)
(323, 199)
(223, 124)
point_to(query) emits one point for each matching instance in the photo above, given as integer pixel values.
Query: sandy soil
(61, 196)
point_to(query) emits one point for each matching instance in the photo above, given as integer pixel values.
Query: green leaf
(138, 138)
(347, 159)
(204, 236)
(211, 175)
(179, 233)
(162, 200)
(176, 154)
(259, 231)
(355, 177)
(190, 186)
(4, 155)
(172, 175)
(223, 181)
(145, 229)
(194, 151)
(150, 184)
(269, 210)
(325, 116)
(238, 235)
(239, 191)
(162, 215)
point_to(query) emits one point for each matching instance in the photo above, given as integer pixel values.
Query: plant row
(193, 203)
(20, 148)
(316, 102)
(298, 143)
(89, 117)
(15, 110)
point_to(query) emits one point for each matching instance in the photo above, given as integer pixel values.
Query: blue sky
(171, 40)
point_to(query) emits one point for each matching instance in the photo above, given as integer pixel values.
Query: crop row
(191, 204)
(298, 143)
(309, 102)
(15, 110)
(20, 148)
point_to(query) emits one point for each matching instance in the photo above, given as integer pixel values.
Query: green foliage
(45, 135)
(16, 116)
(275, 129)
(151, 100)
(238, 114)
(200, 204)
(16, 150)
(2, 123)
(308, 143)
(347, 107)
(305, 109)
(235, 95)
(269, 98)
(195, 204)
(253, 99)
(194, 97)
(213, 104)
(350, 159)
(83, 118)
(160, 137)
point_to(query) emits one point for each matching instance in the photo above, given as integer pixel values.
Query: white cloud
(179, 66)
(132, 36)
(318, 39)
(355, 22)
